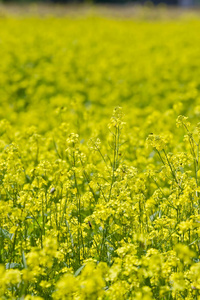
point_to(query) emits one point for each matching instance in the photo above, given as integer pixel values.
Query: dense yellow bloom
(87, 210)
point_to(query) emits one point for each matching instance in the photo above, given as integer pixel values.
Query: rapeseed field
(99, 158)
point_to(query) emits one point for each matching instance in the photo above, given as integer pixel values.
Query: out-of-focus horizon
(186, 3)
(150, 10)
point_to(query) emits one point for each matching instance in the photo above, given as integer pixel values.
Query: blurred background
(176, 3)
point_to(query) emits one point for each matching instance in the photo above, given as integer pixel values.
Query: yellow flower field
(99, 176)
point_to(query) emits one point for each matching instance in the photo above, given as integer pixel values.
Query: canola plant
(99, 158)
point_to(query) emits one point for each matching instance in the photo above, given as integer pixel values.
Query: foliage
(93, 206)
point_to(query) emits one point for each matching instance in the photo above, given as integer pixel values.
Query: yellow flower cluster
(95, 204)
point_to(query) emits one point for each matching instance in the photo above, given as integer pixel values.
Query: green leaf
(5, 234)
(13, 266)
(24, 260)
(79, 270)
